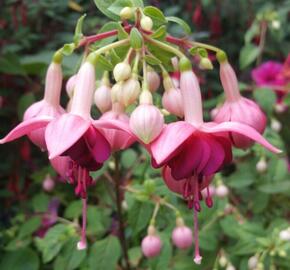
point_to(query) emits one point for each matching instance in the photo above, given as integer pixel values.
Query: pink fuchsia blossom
(194, 150)
(102, 96)
(39, 114)
(118, 139)
(238, 109)
(269, 74)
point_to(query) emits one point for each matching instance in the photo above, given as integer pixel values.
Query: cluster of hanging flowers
(189, 151)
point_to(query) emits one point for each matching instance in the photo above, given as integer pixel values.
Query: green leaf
(74, 210)
(245, 247)
(160, 33)
(105, 254)
(151, 60)
(155, 14)
(138, 3)
(136, 39)
(10, 64)
(115, 59)
(78, 30)
(135, 255)
(273, 188)
(22, 259)
(118, 5)
(139, 216)
(243, 176)
(29, 227)
(252, 32)
(266, 98)
(103, 6)
(105, 63)
(53, 241)
(40, 202)
(248, 55)
(182, 23)
(128, 158)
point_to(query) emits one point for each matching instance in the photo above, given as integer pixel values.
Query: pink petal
(243, 130)
(113, 124)
(64, 132)
(171, 138)
(24, 128)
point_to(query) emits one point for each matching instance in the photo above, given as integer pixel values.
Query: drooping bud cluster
(189, 151)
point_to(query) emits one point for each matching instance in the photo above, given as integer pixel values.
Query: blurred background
(248, 227)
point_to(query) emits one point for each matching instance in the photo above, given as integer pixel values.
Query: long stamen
(196, 195)
(208, 200)
(197, 258)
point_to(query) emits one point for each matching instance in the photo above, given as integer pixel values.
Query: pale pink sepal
(240, 129)
(172, 136)
(64, 132)
(26, 127)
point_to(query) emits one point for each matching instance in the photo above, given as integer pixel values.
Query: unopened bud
(48, 183)
(276, 24)
(253, 262)
(122, 72)
(103, 99)
(276, 125)
(116, 92)
(153, 80)
(146, 23)
(205, 63)
(230, 267)
(126, 13)
(223, 261)
(261, 166)
(222, 191)
(131, 91)
(284, 235)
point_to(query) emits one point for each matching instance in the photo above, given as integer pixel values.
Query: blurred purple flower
(269, 74)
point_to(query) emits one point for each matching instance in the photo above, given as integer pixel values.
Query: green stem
(165, 47)
(205, 46)
(94, 55)
(155, 212)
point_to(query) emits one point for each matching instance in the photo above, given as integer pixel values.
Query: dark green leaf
(29, 227)
(266, 98)
(248, 55)
(128, 158)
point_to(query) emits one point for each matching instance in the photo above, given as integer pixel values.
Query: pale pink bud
(130, 91)
(261, 166)
(122, 72)
(253, 262)
(280, 108)
(172, 102)
(48, 183)
(222, 191)
(237, 108)
(116, 92)
(276, 125)
(182, 237)
(153, 80)
(70, 85)
(146, 122)
(103, 99)
(284, 235)
(146, 23)
(151, 245)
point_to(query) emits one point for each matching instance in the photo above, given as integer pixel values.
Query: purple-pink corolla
(238, 109)
(191, 150)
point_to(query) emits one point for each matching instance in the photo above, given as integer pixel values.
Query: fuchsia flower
(269, 74)
(237, 108)
(151, 245)
(182, 235)
(191, 150)
(39, 114)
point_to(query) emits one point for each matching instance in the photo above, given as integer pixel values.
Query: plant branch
(119, 212)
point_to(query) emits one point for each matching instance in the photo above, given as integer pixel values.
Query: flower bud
(131, 90)
(230, 267)
(172, 102)
(205, 63)
(284, 235)
(276, 24)
(280, 108)
(182, 237)
(126, 13)
(222, 191)
(151, 245)
(276, 125)
(70, 85)
(103, 99)
(116, 92)
(146, 23)
(146, 122)
(48, 183)
(122, 72)
(261, 166)
(253, 262)
(153, 80)
(223, 261)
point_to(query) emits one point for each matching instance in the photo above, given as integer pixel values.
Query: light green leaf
(29, 227)
(136, 39)
(103, 6)
(128, 158)
(248, 55)
(275, 187)
(182, 23)
(155, 14)
(266, 98)
(105, 254)
(151, 60)
(78, 30)
(160, 33)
